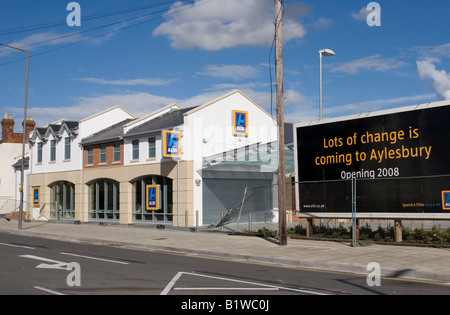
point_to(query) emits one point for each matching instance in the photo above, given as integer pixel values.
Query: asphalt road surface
(35, 266)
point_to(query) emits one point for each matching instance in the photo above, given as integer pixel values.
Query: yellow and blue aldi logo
(152, 194)
(446, 200)
(240, 123)
(171, 143)
(36, 196)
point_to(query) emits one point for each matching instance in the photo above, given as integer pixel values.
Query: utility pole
(280, 122)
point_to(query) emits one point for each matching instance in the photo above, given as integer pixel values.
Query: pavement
(403, 262)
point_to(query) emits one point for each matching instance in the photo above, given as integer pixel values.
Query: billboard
(399, 159)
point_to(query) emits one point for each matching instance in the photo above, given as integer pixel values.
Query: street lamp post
(24, 135)
(327, 53)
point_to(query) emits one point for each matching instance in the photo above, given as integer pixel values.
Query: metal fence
(10, 207)
(340, 203)
(257, 208)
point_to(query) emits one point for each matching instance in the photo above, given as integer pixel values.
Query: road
(35, 266)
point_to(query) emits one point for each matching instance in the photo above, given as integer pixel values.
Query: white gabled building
(56, 162)
(197, 161)
(56, 147)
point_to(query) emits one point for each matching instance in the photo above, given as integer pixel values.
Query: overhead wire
(35, 27)
(182, 7)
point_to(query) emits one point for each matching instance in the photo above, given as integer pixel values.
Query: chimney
(8, 135)
(29, 128)
(7, 129)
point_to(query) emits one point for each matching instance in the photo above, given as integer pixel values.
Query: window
(103, 154)
(140, 212)
(152, 147)
(135, 149)
(90, 157)
(67, 148)
(116, 152)
(39, 152)
(104, 200)
(53, 150)
(62, 200)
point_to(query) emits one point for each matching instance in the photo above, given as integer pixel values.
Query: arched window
(165, 211)
(104, 200)
(62, 200)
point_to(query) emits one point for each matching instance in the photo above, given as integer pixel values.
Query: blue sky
(143, 55)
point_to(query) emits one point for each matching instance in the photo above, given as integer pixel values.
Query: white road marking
(48, 291)
(95, 258)
(54, 263)
(171, 283)
(265, 286)
(234, 289)
(20, 246)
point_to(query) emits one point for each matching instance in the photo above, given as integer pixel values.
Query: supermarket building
(175, 166)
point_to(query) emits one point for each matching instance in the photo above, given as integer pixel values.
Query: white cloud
(361, 15)
(372, 63)
(308, 112)
(235, 72)
(225, 24)
(136, 103)
(292, 97)
(323, 23)
(439, 51)
(375, 105)
(128, 82)
(439, 78)
(34, 41)
(141, 103)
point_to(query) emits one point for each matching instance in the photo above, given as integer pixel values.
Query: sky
(143, 55)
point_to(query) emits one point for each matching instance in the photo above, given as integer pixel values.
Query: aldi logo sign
(446, 200)
(171, 143)
(240, 123)
(152, 197)
(36, 196)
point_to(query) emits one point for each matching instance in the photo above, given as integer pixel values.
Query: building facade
(10, 150)
(175, 166)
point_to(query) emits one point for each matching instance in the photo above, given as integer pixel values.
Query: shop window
(104, 200)
(62, 200)
(165, 211)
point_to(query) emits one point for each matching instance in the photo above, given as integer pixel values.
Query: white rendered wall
(8, 152)
(86, 128)
(209, 131)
